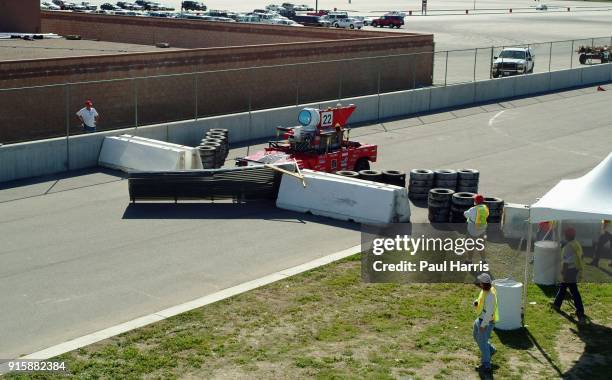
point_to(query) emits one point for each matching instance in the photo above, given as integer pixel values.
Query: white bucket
(546, 262)
(509, 297)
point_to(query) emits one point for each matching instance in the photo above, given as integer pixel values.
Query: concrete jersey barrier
(344, 198)
(129, 153)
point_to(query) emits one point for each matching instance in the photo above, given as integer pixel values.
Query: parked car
(308, 20)
(88, 6)
(342, 21)
(541, 7)
(390, 21)
(285, 22)
(60, 3)
(109, 7)
(513, 61)
(129, 6)
(49, 6)
(193, 6)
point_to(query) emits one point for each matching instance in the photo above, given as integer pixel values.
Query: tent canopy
(586, 198)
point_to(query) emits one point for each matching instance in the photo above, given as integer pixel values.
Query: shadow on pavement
(256, 210)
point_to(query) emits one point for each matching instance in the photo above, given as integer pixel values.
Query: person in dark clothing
(571, 272)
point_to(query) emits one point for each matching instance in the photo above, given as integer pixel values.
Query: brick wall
(21, 16)
(42, 112)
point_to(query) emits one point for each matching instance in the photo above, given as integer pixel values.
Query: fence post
(549, 57)
(136, 103)
(378, 94)
(572, 55)
(475, 60)
(67, 99)
(445, 68)
(413, 71)
(195, 94)
(491, 64)
(340, 79)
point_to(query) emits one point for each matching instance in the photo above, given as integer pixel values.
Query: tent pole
(527, 256)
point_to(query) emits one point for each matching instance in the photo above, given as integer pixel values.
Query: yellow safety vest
(480, 305)
(482, 213)
(577, 248)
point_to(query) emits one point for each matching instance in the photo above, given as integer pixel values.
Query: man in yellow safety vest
(488, 315)
(571, 256)
(476, 218)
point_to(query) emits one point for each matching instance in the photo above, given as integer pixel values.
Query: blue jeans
(482, 339)
(89, 129)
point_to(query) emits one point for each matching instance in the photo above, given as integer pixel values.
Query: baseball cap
(484, 278)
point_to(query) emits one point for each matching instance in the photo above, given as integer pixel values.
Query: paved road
(77, 258)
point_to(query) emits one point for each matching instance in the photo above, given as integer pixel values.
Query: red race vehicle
(321, 142)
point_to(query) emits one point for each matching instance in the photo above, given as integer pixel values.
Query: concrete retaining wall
(50, 156)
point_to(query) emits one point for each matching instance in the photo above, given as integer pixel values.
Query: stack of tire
(445, 179)
(461, 202)
(421, 181)
(467, 180)
(214, 148)
(439, 205)
(496, 209)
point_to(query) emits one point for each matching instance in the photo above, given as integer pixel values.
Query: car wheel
(374, 25)
(337, 25)
(351, 26)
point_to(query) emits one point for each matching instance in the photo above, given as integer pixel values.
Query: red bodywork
(328, 149)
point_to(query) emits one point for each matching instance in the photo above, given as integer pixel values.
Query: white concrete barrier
(531, 84)
(452, 96)
(344, 198)
(129, 153)
(500, 88)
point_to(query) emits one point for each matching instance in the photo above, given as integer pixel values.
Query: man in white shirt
(488, 314)
(88, 116)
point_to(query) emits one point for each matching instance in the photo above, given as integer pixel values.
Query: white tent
(586, 198)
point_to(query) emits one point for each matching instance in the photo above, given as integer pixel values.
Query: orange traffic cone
(599, 88)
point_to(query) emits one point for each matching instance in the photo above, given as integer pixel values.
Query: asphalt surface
(77, 258)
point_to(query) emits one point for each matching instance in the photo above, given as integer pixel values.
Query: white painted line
(492, 120)
(98, 336)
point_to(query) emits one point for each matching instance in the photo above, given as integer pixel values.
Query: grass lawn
(327, 323)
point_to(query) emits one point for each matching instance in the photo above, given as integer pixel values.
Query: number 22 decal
(327, 119)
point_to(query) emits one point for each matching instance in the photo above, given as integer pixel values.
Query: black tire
(348, 173)
(362, 164)
(445, 174)
(374, 24)
(418, 190)
(419, 183)
(463, 199)
(441, 194)
(494, 203)
(422, 174)
(435, 203)
(336, 25)
(351, 26)
(468, 174)
(446, 184)
(371, 175)
(467, 182)
(467, 190)
(394, 177)
(417, 196)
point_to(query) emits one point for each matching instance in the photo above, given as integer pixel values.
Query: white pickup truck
(339, 20)
(513, 61)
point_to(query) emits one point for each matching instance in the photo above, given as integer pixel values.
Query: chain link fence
(49, 111)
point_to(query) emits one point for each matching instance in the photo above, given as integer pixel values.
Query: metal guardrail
(140, 97)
